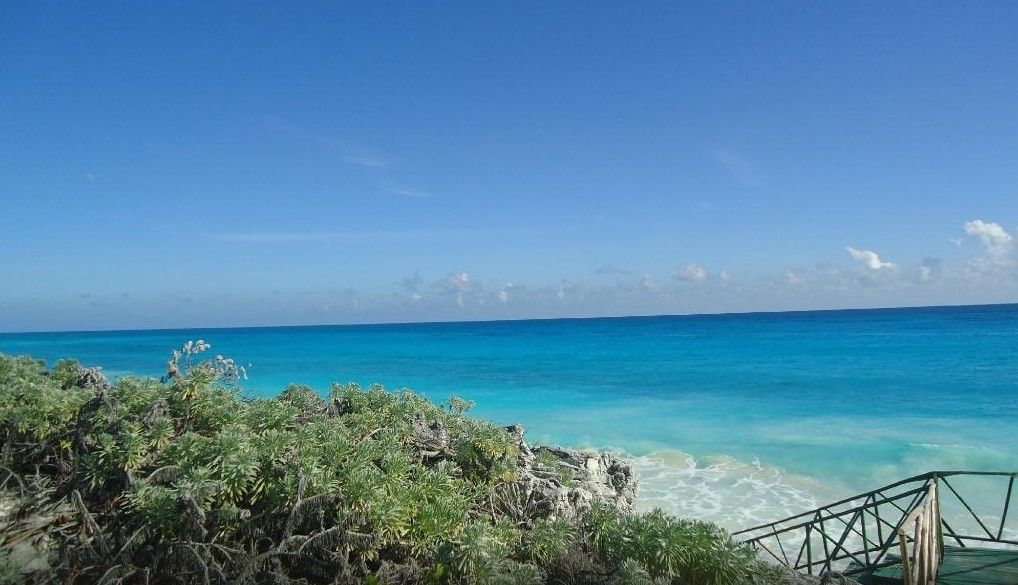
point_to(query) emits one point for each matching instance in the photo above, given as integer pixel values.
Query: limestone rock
(431, 439)
(92, 378)
(566, 482)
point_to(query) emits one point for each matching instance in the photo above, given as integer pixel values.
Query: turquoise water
(734, 418)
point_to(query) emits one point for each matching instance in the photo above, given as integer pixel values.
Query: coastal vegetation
(187, 480)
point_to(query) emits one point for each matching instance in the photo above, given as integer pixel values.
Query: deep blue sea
(734, 418)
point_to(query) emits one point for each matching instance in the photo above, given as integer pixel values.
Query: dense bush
(187, 481)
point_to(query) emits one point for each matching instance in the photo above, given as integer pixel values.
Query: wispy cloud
(460, 284)
(930, 269)
(691, 273)
(737, 166)
(412, 282)
(609, 270)
(859, 277)
(794, 278)
(650, 285)
(565, 289)
(352, 153)
(268, 237)
(503, 295)
(348, 151)
(364, 159)
(298, 237)
(403, 191)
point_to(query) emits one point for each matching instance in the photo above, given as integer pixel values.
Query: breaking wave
(731, 493)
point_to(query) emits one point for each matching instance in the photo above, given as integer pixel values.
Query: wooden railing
(921, 565)
(898, 524)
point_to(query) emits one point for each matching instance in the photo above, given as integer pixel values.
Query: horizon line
(520, 320)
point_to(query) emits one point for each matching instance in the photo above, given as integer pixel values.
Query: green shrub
(188, 481)
(548, 540)
(34, 406)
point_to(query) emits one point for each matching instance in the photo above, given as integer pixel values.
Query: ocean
(738, 418)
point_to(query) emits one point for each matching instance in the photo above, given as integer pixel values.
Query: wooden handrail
(921, 567)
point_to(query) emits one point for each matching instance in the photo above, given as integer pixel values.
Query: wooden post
(922, 548)
(906, 569)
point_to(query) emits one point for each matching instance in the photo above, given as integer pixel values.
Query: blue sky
(213, 165)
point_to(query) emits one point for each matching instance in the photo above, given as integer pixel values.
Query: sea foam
(731, 493)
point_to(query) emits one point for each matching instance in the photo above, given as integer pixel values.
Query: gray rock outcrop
(92, 379)
(552, 482)
(564, 483)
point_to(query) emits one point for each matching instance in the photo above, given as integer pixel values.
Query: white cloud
(460, 284)
(869, 259)
(503, 295)
(564, 289)
(691, 273)
(458, 281)
(649, 284)
(992, 235)
(999, 258)
(930, 269)
(987, 272)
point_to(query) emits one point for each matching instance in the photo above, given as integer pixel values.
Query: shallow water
(734, 418)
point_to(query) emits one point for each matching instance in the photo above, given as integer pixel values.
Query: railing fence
(903, 523)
